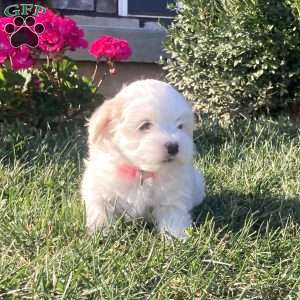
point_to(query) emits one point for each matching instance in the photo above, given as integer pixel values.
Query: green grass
(245, 244)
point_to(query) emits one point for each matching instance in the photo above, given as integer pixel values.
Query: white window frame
(123, 11)
(123, 8)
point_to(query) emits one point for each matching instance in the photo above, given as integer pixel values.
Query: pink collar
(131, 172)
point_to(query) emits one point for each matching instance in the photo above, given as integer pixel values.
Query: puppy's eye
(145, 126)
(180, 126)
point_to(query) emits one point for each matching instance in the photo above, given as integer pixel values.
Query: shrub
(236, 58)
(52, 94)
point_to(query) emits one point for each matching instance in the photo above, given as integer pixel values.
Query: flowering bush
(60, 34)
(53, 93)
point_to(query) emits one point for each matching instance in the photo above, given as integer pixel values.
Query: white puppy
(140, 159)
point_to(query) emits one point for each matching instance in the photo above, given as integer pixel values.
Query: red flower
(5, 47)
(21, 58)
(111, 48)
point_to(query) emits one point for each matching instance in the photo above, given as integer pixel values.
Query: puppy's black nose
(172, 148)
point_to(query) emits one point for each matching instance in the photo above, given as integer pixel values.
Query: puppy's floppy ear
(102, 120)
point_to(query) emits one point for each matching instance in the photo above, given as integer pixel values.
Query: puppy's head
(150, 123)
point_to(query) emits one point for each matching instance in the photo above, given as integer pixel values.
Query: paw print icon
(24, 32)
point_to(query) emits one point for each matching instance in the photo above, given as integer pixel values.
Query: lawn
(245, 243)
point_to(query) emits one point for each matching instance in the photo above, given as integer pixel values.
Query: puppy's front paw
(173, 221)
(95, 220)
(170, 234)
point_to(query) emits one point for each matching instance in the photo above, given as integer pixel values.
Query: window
(74, 4)
(106, 6)
(153, 8)
(101, 6)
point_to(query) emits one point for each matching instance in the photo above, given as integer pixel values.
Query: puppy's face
(151, 124)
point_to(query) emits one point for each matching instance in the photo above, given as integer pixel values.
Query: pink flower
(74, 37)
(5, 47)
(21, 58)
(45, 18)
(4, 21)
(51, 41)
(60, 33)
(122, 49)
(111, 48)
(100, 47)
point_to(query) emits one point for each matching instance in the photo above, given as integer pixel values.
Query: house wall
(126, 73)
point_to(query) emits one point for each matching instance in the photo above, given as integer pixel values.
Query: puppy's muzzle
(172, 148)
